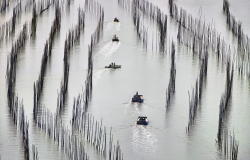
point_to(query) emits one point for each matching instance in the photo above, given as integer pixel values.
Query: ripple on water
(143, 139)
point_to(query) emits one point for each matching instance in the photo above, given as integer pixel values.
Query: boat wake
(111, 26)
(109, 49)
(143, 139)
(97, 75)
(117, 27)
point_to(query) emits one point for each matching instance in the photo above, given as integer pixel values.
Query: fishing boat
(113, 66)
(142, 120)
(116, 20)
(137, 98)
(115, 38)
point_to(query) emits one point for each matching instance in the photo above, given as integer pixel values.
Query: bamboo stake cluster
(35, 153)
(94, 132)
(15, 106)
(24, 130)
(73, 38)
(11, 69)
(29, 5)
(230, 146)
(4, 5)
(71, 145)
(38, 85)
(44, 5)
(124, 4)
(235, 27)
(95, 38)
(224, 103)
(33, 22)
(204, 37)
(197, 36)
(141, 10)
(196, 96)
(93, 7)
(7, 30)
(171, 85)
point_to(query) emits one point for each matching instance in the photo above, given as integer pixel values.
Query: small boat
(137, 98)
(115, 38)
(116, 20)
(142, 120)
(113, 66)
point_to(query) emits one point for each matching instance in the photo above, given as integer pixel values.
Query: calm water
(144, 71)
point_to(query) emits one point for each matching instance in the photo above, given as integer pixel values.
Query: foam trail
(109, 26)
(118, 26)
(109, 49)
(113, 49)
(97, 75)
(143, 139)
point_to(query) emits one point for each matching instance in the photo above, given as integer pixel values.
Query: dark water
(144, 71)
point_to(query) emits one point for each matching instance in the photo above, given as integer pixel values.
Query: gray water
(144, 71)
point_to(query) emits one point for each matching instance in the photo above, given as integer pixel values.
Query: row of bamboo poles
(229, 146)
(225, 103)
(71, 145)
(4, 5)
(11, 69)
(171, 85)
(16, 108)
(194, 33)
(227, 143)
(243, 41)
(8, 29)
(72, 38)
(94, 132)
(96, 9)
(39, 83)
(142, 10)
(197, 91)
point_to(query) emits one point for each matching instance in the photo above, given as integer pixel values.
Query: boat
(116, 20)
(115, 38)
(113, 66)
(137, 98)
(142, 120)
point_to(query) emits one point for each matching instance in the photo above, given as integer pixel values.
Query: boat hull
(142, 123)
(134, 100)
(115, 67)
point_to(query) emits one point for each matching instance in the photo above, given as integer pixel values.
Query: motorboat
(137, 98)
(116, 20)
(142, 120)
(113, 66)
(115, 38)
